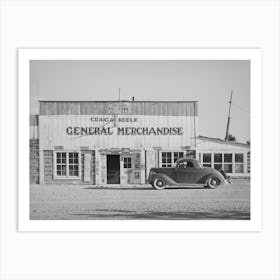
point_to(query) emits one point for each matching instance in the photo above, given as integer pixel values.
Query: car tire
(213, 182)
(159, 184)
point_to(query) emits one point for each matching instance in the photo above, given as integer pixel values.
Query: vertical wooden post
(41, 166)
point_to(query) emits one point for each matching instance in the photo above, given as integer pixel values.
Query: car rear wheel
(213, 182)
(159, 184)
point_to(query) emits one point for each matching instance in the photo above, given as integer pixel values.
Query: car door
(188, 174)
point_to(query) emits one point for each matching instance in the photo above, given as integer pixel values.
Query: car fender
(169, 181)
(216, 174)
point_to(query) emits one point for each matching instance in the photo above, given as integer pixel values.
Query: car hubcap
(159, 183)
(214, 182)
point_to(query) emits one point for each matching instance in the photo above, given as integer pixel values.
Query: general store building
(99, 142)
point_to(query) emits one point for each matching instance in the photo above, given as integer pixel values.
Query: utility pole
(228, 120)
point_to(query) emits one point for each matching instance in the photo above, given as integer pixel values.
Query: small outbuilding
(231, 156)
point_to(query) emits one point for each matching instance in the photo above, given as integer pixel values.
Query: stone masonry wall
(34, 161)
(49, 168)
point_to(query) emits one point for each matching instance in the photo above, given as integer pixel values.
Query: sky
(208, 82)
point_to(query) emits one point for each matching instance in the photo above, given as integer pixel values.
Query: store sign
(99, 128)
(131, 131)
(142, 131)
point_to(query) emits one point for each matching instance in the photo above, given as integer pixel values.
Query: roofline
(223, 141)
(110, 101)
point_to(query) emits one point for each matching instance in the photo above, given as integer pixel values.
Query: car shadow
(144, 188)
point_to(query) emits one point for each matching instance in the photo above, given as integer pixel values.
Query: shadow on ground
(105, 214)
(141, 189)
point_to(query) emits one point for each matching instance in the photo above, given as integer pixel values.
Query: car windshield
(185, 164)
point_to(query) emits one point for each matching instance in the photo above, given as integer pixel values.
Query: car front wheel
(159, 184)
(213, 182)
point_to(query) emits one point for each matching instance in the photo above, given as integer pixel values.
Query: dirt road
(139, 202)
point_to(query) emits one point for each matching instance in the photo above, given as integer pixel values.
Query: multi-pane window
(206, 160)
(169, 158)
(73, 164)
(61, 164)
(218, 161)
(166, 159)
(127, 162)
(239, 163)
(228, 163)
(67, 164)
(177, 155)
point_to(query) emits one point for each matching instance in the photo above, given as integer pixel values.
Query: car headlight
(152, 172)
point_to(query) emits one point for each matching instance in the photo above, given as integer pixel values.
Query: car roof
(186, 159)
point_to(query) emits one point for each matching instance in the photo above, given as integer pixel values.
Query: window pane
(206, 165)
(206, 157)
(227, 157)
(63, 173)
(239, 158)
(218, 158)
(166, 159)
(127, 162)
(228, 168)
(218, 166)
(239, 168)
(73, 173)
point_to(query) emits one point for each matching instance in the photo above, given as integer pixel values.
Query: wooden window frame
(67, 177)
(223, 160)
(127, 157)
(172, 157)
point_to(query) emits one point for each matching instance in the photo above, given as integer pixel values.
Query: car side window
(189, 164)
(185, 164)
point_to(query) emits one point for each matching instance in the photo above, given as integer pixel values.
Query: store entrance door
(113, 169)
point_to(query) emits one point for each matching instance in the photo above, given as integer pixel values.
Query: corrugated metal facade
(151, 108)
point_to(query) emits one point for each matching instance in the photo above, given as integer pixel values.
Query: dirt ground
(139, 202)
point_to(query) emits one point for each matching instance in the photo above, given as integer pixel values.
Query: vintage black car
(187, 171)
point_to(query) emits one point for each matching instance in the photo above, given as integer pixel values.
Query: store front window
(166, 158)
(229, 162)
(127, 162)
(218, 161)
(239, 163)
(206, 160)
(66, 164)
(169, 158)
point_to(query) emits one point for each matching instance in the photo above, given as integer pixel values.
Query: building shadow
(119, 214)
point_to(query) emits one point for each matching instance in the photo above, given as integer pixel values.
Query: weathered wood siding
(52, 131)
(152, 108)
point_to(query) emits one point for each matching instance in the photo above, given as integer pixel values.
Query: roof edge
(212, 139)
(131, 101)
